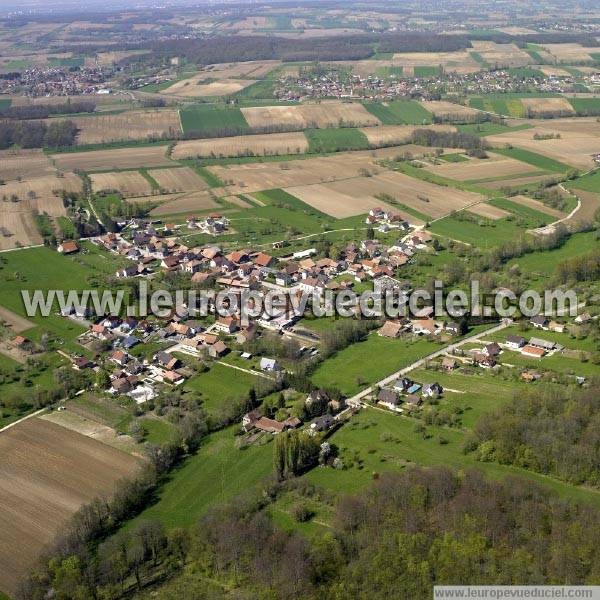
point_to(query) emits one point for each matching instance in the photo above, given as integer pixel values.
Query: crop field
(305, 116)
(400, 112)
(510, 107)
(336, 140)
(534, 158)
(119, 158)
(209, 121)
(538, 107)
(474, 169)
(449, 110)
(489, 211)
(188, 203)
(182, 179)
(527, 214)
(20, 200)
(583, 106)
(517, 182)
(460, 61)
(538, 206)
(253, 177)
(570, 53)
(20, 163)
(356, 196)
(128, 183)
(44, 478)
(388, 135)
(243, 145)
(130, 125)
(502, 55)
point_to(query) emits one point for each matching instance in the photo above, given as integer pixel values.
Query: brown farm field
(354, 196)
(488, 211)
(538, 107)
(570, 53)
(304, 116)
(119, 158)
(502, 55)
(275, 143)
(474, 169)
(449, 110)
(397, 134)
(181, 179)
(129, 183)
(130, 125)
(187, 203)
(44, 479)
(537, 205)
(23, 163)
(576, 146)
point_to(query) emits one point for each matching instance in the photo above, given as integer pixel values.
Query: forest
(552, 432)
(398, 538)
(37, 134)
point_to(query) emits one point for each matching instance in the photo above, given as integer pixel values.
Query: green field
(512, 107)
(532, 158)
(219, 384)
(399, 112)
(210, 120)
(279, 197)
(589, 183)
(66, 62)
(480, 232)
(216, 474)
(336, 140)
(455, 157)
(378, 441)
(5, 103)
(585, 106)
(532, 217)
(364, 363)
(427, 71)
(525, 72)
(389, 72)
(489, 128)
(477, 57)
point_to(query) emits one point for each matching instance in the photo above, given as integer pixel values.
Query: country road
(357, 399)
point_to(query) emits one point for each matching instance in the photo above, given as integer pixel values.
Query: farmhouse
(389, 398)
(540, 322)
(322, 423)
(68, 247)
(544, 344)
(391, 329)
(514, 342)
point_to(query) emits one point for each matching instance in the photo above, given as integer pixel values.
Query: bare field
(182, 179)
(488, 211)
(590, 204)
(119, 158)
(188, 203)
(473, 169)
(516, 182)
(537, 107)
(275, 143)
(44, 479)
(451, 61)
(16, 322)
(23, 163)
(129, 183)
(397, 134)
(109, 58)
(502, 55)
(449, 110)
(130, 125)
(570, 53)
(239, 202)
(18, 229)
(554, 72)
(355, 196)
(576, 146)
(253, 177)
(325, 114)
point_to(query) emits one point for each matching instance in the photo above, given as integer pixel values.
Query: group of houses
(406, 393)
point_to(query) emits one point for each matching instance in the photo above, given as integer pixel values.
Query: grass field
(377, 441)
(399, 112)
(281, 197)
(217, 473)
(454, 158)
(483, 233)
(589, 183)
(533, 218)
(208, 120)
(5, 103)
(532, 158)
(369, 361)
(423, 71)
(489, 128)
(389, 72)
(336, 140)
(585, 106)
(219, 384)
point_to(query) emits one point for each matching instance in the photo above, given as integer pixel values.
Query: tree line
(43, 111)
(37, 134)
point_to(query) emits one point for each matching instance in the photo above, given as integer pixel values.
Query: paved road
(357, 399)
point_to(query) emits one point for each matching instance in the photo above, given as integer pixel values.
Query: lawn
(156, 431)
(220, 383)
(377, 441)
(216, 474)
(367, 362)
(209, 120)
(455, 157)
(336, 140)
(532, 158)
(399, 112)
